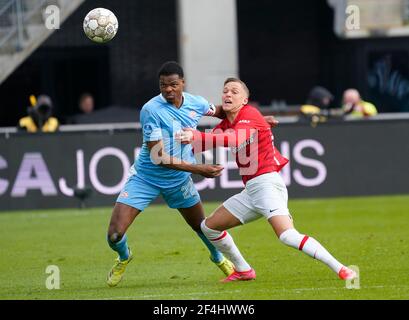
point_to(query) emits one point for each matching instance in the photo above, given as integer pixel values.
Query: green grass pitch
(171, 262)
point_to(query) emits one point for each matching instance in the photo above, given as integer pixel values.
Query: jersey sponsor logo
(192, 114)
(244, 121)
(244, 144)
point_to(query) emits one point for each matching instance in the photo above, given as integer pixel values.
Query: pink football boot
(240, 276)
(347, 274)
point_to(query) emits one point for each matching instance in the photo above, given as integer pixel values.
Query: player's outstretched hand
(273, 122)
(185, 136)
(209, 170)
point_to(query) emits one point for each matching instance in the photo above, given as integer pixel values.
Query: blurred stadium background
(281, 49)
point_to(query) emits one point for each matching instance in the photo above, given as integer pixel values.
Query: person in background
(39, 117)
(86, 108)
(354, 105)
(317, 107)
(86, 103)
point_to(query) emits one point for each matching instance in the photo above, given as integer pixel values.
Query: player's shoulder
(194, 99)
(251, 116)
(153, 105)
(251, 112)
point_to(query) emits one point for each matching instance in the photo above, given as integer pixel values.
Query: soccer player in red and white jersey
(249, 136)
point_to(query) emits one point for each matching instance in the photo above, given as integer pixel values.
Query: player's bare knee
(115, 237)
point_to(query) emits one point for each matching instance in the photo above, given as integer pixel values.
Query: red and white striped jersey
(251, 139)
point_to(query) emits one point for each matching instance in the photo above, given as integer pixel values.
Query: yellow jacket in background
(363, 109)
(27, 123)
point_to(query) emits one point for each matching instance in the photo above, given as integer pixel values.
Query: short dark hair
(246, 89)
(84, 96)
(169, 68)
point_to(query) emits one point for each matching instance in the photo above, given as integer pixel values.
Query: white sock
(223, 241)
(310, 246)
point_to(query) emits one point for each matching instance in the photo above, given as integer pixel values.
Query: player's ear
(245, 101)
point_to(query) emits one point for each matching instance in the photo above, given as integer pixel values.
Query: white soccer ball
(100, 25)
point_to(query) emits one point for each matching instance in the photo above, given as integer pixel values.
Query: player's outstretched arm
(187, 136)
(161, 158)
(272, 121)
(203, 141)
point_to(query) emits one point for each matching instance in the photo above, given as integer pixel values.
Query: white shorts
(265, 195)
